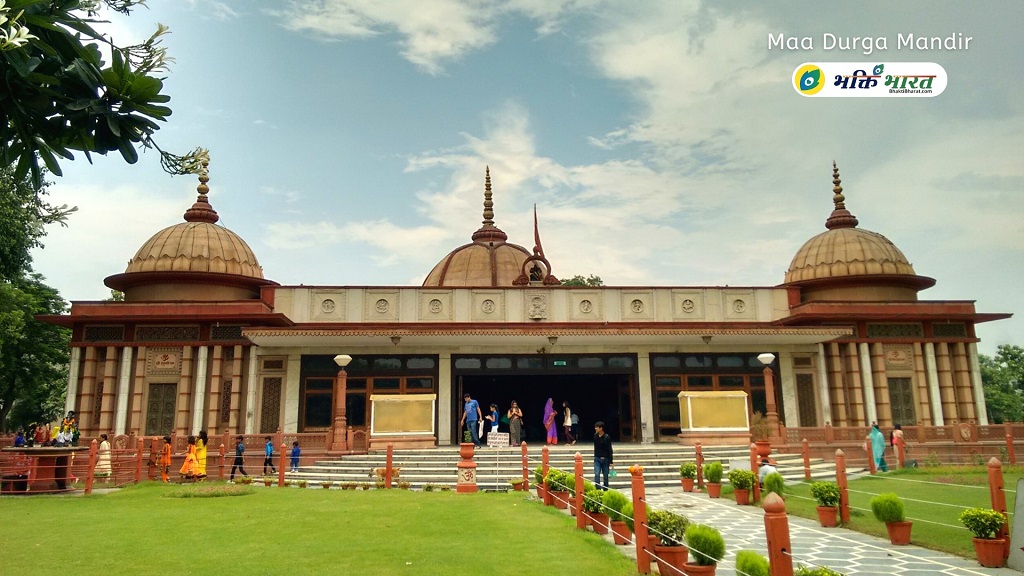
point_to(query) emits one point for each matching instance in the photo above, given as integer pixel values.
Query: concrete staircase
(496, 466)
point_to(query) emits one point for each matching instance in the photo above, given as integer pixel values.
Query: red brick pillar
(154, 456)
(776, 529)
(545, 459)
(844, 495)
(526, 468)
(281, 463)
(871, 455)
(388, 466)
(700, 466)
(220, 462)
(753, 468)
(643, 560)
(140, 448)
(806, 452)
(91, 470)
(466, 483)
(998, 498)
(901, 453)
(581, 518)
(1009, 448)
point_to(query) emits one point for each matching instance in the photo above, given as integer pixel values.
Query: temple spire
(488, 203)
(202, 211)
(489, 233)
(840, 217)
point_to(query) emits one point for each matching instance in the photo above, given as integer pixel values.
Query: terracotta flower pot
(466, 450)
(763, 449)
(560, 499)
(572, 507)
(828, 516)
(990, 551)
(620, 533)
(671, 559)
(899, 533)
(714, 489)
(697, 570)
(742, 496)
(540, 491)
(599, 522)
(548, 496)
(687, 484)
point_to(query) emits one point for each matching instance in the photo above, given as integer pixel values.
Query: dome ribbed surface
(847, 252)
(196, 247)
(479, 264)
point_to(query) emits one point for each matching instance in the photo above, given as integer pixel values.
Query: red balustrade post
(220, 462)
(140, 448)
(91, 471)
(388, 470)
(1009, 449)
(776, 529)
(806, 452)
(281, 464)
(871, 456)
(154, 455)
(998, 498)
(830, 434)
(753, 468)
(545, 459)
(581, 519)
(526, 468)
(643, 560)
(844, 495)
(901, 452)
(700, 467)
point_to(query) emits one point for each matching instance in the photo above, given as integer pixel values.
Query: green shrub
(932, 461)
(815, 571)
(887, 508)
(538, 475)
(713, 472)
(982, 522)
(826, 493)
(592, 500)
(688, 470)
(669, 527)
(741, 479)
(707, 547)
(627, 513)
(614, 501)
(210, 491)
(774, 482)
(752, 564)
(557, 480)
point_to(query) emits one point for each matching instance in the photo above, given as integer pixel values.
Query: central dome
(487, 261)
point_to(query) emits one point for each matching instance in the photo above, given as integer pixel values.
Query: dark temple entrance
(598, 388)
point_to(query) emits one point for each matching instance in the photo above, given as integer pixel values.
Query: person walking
(515, 423)
(188, 468)
(549, 422)
(603, 457)
(165, 460)
(567, 423)
(268, 456)
(201, 443)
(878, 447)
(471, 416)
(295, 455)
(103, 458)
(238, 464)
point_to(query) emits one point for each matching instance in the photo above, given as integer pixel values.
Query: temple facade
(204, 341)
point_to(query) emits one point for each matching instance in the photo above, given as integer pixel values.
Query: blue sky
(662, 141)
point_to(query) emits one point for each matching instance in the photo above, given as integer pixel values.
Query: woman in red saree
(549, 421)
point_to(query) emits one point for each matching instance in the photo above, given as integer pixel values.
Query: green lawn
(936, 524)
(139, 530)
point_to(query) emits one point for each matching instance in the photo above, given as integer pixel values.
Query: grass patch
(275, 531)
(933, 499)
(210, 491)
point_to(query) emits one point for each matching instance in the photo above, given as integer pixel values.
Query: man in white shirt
(766, 469)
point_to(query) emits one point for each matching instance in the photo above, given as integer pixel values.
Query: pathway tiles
(849, 552)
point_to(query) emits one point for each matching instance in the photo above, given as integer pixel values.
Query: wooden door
(808, 405)
(160, 409)
(901, 401)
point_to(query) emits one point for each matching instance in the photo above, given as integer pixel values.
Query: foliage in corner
(826, 493)
(713, 472)
(982, 522)
(707, 547)
(688, 470)
(670, 527)
(614, 503)
(752, 564)
(815, 571)
(774, 482)
(741, 479)
(888, 508)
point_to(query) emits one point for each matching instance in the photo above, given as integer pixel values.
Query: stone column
(976, 387)
(105, 402)
(199, 402)
(212, 415)
(124, 384)
(69, 401)
(867, 383)
(643, 364)
(444, 399)
(251, 387)
(138, 390)
(823, 393)
(787, 383)
(933, 385)
(184, 406)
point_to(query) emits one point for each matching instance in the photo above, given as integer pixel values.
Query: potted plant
(326, 484)
(538, 481)
(888, 508)
(364, 485)
(404, 485)
(985, 524)
(827, 495)
(558, 488)
(303, 483)
(670, 551)
(348, 485)
(752, 564)
(630, 520)
(815, 571)
(761, 433)
(268, 481)
(518, 484)
(708, 548)
(593, 507)
(773, 482)
(742, 481)
(687, 474)
(614, 504)
(713, 477)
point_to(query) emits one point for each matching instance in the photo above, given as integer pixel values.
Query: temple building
(203, 341)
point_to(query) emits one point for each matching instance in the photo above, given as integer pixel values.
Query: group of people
(268, 457)
(473, 420)
(63, 433)
(878, 444)
(194, 467)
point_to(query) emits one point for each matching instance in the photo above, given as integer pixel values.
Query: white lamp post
(769, 391)
(340, 443)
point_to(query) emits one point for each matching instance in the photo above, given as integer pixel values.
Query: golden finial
(488, 203)
(837, 190)
(840, 217)
(201, 211)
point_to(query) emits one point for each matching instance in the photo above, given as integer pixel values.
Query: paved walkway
(849, 552)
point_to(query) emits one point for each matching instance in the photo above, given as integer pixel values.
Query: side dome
(846, 263)
(193, 260)
(489, 260)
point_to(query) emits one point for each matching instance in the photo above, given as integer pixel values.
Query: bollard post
(700, 467)
(753, 468)
(140, 447)
(643, 560)
(581, 519)
(998, 498)
(544, 466)
(1009, 450)
(526, 468)
(220, 462)
(776, 530)
(844, 495)
(91, 471)
(388, 470)
(281, 464)
(871, 457)
(901, 453)
(806, 451)
(154, 451)
(466, 482)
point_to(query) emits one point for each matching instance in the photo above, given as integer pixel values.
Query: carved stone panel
(327, 305)
(537, 302)
(489, 305)
(381, 305)
(435, 306)
(739, 305)
(163, 361)
(687, 305)
(637, 304)
(586, 305)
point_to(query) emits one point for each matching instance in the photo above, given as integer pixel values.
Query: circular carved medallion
(382, 306)
(487, 306)
(688, 306)
(327, 306)
(435, 306)
(637, 305)
(586, 306)
(739, 305)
